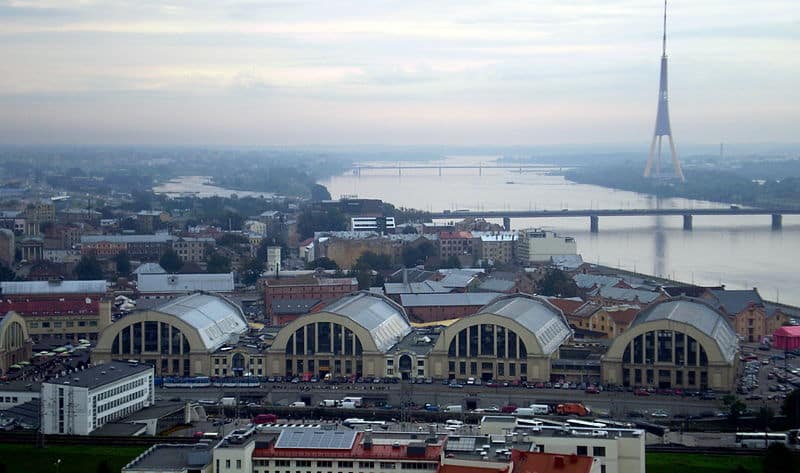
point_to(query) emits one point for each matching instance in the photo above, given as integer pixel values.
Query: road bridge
(358, 168)
(595, 214)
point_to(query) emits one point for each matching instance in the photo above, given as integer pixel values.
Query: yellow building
(677, 343)
(15, 343)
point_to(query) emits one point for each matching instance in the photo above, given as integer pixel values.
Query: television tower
(662, 128)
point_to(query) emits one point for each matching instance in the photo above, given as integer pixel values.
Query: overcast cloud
(394, 72)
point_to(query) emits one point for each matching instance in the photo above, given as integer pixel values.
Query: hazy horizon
(342, 73)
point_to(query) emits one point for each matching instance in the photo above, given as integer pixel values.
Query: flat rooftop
(100, 375)
(164, 457)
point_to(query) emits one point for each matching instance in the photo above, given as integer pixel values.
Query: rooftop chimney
(367, 440)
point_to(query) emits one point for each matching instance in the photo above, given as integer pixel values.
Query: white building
(15, 393)
(371, 223)
(273, 259)
(80, 402)
(619, 450)
(151, 285)
(535, 245)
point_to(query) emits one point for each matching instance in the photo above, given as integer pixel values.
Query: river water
(738, 251)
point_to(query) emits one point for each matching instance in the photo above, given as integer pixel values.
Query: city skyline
(283, 73)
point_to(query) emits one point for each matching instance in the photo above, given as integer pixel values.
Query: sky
(409, 72)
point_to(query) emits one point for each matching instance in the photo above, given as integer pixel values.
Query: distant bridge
(595, 214)
(358, 168)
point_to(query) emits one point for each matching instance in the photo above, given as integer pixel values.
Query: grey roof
(699, 315)
(386, 321)
(157, 238)
(419, 342)
(736, 301)
(20, 386)
(293, 306)
(26, 415)
(566, 261)
(120, 429)
(316, 439)
(166, 457)
(458, 278)
(543, 319)
(178, 283)
(58, 287)
(149, 268)
(424, 287)
(412, 275)
(496, 285)
(100, 375)
(588, 281)
(623, 294)
(215, 318)
(449, 299)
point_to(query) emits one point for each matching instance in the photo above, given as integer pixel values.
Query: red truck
(265, 419)
(572, 408)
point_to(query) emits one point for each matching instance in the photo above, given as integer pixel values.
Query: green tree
(310, 221)
(170, 261)
(371, 260)
(324, 263)
(451, 262)
(364, 278)
(103, 467)
(218, 263)
(320, 192)
(791, 408)
(557, 283)
(6, 274)
(252, 271)
(123, 263)
(88, 269)
(734, 406)
(779, 459)
(409, 230)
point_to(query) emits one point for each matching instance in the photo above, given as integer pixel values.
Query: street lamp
(58, 465)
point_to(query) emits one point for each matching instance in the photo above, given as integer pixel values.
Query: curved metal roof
(216, 318)
(544, 320)
(699, 315)
(385, 321)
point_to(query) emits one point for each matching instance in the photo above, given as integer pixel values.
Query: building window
(598, 451)
(238, 464)
(582, 450)
(227, 464)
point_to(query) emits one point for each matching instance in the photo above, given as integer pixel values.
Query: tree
(735, 407)
(319, 192)
(779, 459)
(88, 268)
(451, 262)
(251, 272)
(409, 230)
(791, 408)
(103, 467)
(557, 283)
(6, 274)
(370, 260)
(218, 263)
(123, 263)
(324, 263)
(170, 261)
(364, 278)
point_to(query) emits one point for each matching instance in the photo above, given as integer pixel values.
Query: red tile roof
(473, 469)
(534, 462)
(623, 317)
(455, 235)
(788, 331)
(358, 452)
(567, 306)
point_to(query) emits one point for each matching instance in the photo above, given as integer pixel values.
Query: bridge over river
(595, 214)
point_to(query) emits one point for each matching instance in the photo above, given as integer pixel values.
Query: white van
(454, 423)
(454, 408)
(297, 404)
(540, 409)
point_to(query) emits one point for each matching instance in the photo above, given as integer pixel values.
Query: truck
(328, 403)
(265, 419)
(572, 408)
(228, 401)
(453, 408)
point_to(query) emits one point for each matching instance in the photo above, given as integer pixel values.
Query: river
(737, 251)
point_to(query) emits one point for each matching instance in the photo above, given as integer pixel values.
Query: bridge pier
(440, 171)
(594, 221)
(480, 171)
(507, 224)
(687, 222)
(777, 221)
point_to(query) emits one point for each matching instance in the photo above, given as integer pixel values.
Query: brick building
(304, 288)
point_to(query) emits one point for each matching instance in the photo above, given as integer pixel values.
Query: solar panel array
(460, 444)
(317, 439)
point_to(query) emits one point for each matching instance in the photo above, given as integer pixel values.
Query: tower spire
(664, 38)
(663, 128)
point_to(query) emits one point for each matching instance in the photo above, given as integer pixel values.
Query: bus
(355, 422)
(761, 439)
(194, 382)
